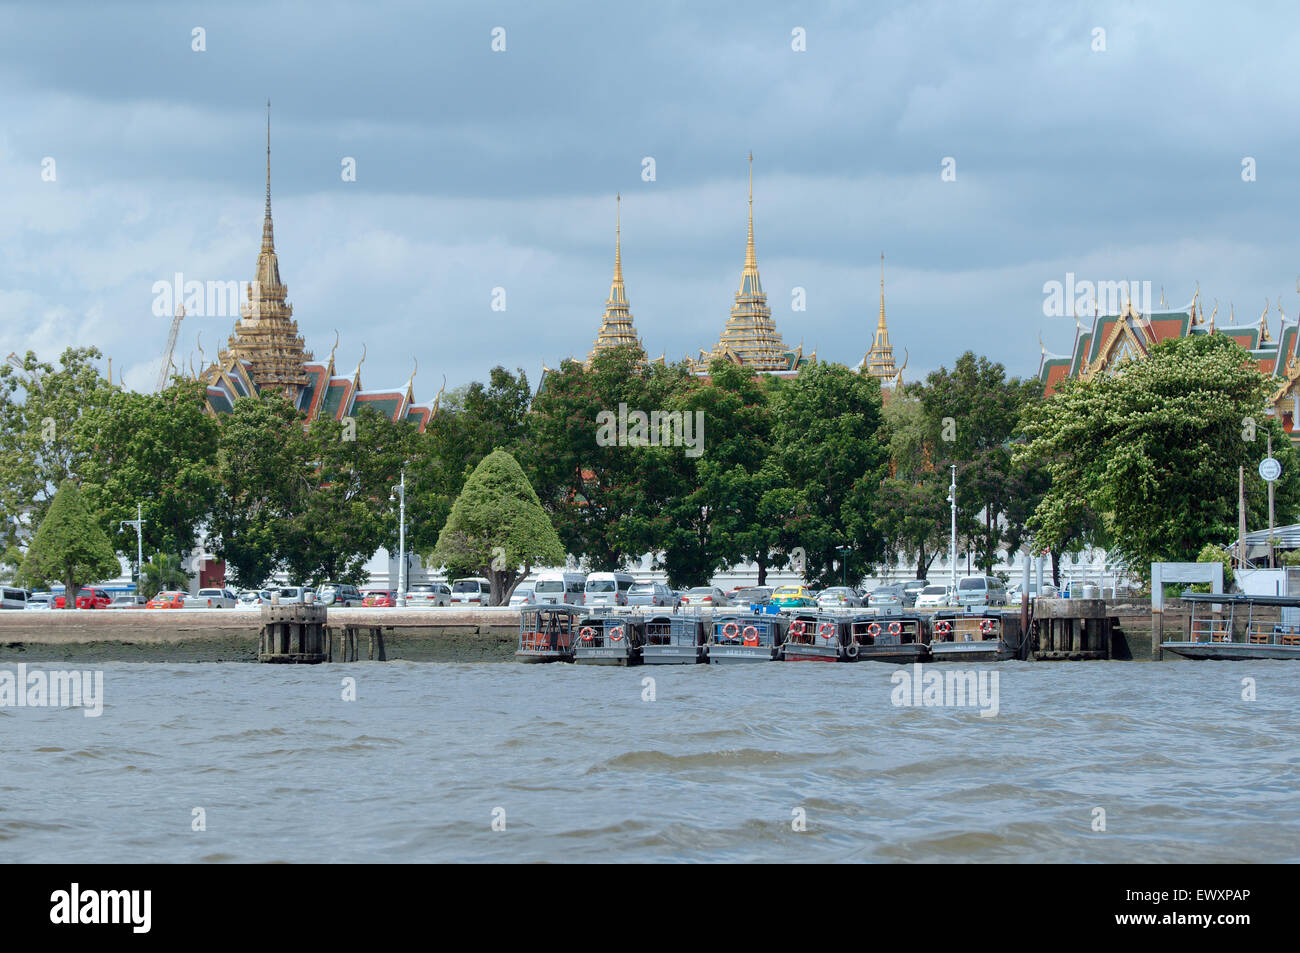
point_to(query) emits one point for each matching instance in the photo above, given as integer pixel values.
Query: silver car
(839, 597)
(887, 597)
(649, 594)
(524, 594)
(428, 595)
(707, 597)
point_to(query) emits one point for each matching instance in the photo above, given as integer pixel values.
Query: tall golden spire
(616, 325)
(750, 336)
(266, 336)
(879, 362)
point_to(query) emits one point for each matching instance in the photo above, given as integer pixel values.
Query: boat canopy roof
(1241, 598)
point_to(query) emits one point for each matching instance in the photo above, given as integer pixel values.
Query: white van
(608, 588)
(555, 587)
(13, 598)
(981, 591)
(471, 591)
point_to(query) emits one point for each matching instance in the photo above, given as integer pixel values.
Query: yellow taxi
(793, 597)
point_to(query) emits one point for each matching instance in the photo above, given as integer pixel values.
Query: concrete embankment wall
(230, 635)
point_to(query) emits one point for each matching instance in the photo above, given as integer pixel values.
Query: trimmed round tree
(497, 525)
(69, 546)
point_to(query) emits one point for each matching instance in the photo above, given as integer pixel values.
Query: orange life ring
(826, 630)
(587, 633)
(873, 630)
(731, 630)
(750, 635)
(797, 627)
(943, 627)
(616, 634)
(895, 628)
(986, 626)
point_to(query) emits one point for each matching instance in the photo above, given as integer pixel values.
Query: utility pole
(400, 489)
(1241, 517)
(952, 551)
(1272, 561)
(138, 523)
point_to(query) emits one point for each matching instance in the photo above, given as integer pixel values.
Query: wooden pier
(1071, 630)
(293, 633)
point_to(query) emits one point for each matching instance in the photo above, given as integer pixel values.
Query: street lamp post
(952, 550)
(400, 490)
(844, 565)
(138, 523)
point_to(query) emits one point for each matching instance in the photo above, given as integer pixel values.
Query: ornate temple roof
(879, 359)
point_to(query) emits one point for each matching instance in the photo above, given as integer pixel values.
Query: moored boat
(605, 638)
(987, 635)
(890, 635)
(1212, 637)
(745, 638)
(546, 633)
(818, 638)
(677, 639)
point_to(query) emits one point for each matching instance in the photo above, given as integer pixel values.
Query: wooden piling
(293, 633)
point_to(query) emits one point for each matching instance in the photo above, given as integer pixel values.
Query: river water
(724, 764)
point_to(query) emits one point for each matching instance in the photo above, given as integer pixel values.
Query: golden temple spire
(616, 328)
(880, 325)
(268, 233)
(751, 259)
(879, 362)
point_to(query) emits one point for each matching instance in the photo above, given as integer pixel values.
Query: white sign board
(1270, 469)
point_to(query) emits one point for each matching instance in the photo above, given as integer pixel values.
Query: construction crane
(171, 346)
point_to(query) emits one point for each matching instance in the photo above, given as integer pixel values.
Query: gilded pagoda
(879, 359)
(616, 325)
(265, 353)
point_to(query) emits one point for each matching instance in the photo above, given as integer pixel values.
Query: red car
(167, 600)
(380, 598)
(87, 599)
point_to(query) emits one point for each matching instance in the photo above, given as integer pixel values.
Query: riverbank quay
(419, 635)
(231, 635)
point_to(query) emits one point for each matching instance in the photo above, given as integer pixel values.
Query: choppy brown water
(715, 768)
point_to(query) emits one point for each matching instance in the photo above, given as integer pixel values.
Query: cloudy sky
(478, 169)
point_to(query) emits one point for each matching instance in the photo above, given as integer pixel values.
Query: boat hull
(536, 658)
(898, 654)
(990, 650)
(673, 654)
(605, 656)
(812, 653)
(733, 654)
(1230, 651)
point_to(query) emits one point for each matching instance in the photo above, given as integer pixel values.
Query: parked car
(294, 593)
(556, 587)
(524, 593)
(794, 597)
(40, 600)
(379, 598)
(887, 597)
(341, 595)
(608, 588)
(219, 598)
(428, 594)
(981, 591)
(1013, 593)
(934, 596)
(13, 598)
(127, 601)
(253, 599)
(88, 598)
(649, 594)
(751, 596)
(839, 597)
(471, 591)
(706, 597)
(913, 588)
(167, 600)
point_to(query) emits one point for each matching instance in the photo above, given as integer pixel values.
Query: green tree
(1154, 452)
(164, 572)
(829, 443)
(69, 546)
(157, 450)
(265, 471)
(40, 405)
(497, 525)
(913, 512)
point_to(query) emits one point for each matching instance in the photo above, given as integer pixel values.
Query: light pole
(138, 523)
(400, 490)
(844, 565)
(952, 545)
